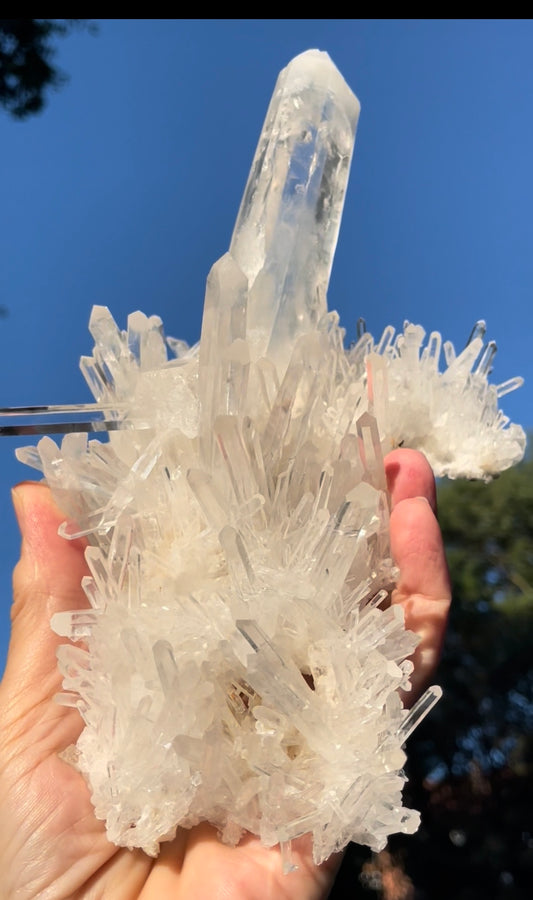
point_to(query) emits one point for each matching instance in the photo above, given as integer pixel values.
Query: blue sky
(125, 190)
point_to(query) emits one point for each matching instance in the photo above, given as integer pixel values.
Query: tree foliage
(27, 70)
(487, 669)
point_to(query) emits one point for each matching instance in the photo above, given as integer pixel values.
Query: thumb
(46, 580)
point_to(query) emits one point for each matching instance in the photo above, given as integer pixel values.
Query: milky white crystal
(237, 661)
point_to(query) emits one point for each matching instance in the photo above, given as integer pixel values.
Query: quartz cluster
(237, 661)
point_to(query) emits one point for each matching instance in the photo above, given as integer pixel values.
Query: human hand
(51, 845)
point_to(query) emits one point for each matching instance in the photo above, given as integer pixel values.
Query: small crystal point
(220, 385)
(288, 224)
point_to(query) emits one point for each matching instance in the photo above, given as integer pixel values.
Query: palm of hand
(60, 850)
(51, 844)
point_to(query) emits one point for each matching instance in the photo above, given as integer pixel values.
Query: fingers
(46, 580)
(423, 588)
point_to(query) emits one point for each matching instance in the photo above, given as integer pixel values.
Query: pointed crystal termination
(224, 355)
(288, 223)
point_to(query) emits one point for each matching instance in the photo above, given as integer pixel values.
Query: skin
(51, 845)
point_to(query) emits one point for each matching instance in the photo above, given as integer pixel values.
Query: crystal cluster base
(238, 661)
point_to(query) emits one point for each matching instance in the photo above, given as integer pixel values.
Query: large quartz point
(238, 661)
(288, 224)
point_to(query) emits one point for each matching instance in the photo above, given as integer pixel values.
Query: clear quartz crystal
(238, 661)
(288, 224)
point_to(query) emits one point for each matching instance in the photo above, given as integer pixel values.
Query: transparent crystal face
(237, 661)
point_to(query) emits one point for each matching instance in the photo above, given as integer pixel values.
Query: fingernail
(19, 506)
(17, 498)
(23, 517)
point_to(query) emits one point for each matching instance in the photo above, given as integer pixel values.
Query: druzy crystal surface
(238, 661)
